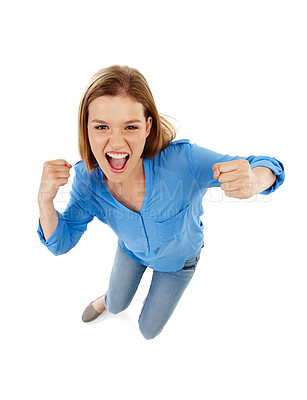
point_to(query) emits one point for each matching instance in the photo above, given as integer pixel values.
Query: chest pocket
(173, 227)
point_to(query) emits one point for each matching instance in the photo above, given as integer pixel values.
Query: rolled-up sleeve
(274, 165)
(202, 161)
(72, 222)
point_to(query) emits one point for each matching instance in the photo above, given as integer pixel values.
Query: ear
(148, 126)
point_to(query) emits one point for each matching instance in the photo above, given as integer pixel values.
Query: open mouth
(117, 162)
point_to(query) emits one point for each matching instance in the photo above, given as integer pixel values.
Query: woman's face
(117, 131)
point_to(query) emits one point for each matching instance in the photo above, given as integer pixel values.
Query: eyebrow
(132, 121)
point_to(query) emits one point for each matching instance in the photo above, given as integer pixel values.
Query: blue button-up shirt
(168, 229)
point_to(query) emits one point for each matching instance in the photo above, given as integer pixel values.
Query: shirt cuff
(277, 168)
(52, 242)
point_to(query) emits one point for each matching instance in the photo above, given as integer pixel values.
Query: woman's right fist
(55, 174)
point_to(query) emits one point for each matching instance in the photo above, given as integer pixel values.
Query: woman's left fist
(237, 178)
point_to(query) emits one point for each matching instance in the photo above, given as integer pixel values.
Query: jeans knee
(113, 309)
(148, 332)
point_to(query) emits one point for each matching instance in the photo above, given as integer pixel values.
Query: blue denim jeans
(164, 294)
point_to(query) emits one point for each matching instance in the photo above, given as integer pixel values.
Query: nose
(117, 140)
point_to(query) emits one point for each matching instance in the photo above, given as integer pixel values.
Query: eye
(131, 127)
(101, 127)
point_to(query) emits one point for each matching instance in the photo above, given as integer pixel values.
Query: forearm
(48, 218)
(265, 177)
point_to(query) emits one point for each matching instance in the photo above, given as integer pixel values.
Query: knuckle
(47, 165)
(243, 163)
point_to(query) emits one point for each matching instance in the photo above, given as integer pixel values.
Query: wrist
(43, 202)
(265, 178)
(45, 198)
(46, 208)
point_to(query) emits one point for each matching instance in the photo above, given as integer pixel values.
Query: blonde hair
(117, 80)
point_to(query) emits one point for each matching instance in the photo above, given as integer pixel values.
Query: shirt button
(141, 227)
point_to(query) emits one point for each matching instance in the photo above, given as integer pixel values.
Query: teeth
(117, 155)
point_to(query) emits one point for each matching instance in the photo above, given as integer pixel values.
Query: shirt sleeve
(202, 161)
(72, 222)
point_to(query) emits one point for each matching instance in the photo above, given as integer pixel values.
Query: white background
(233, 73)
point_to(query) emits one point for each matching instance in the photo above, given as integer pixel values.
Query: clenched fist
(237, 178)
(55, 174)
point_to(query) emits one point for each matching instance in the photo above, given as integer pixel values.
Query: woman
(147, 188)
